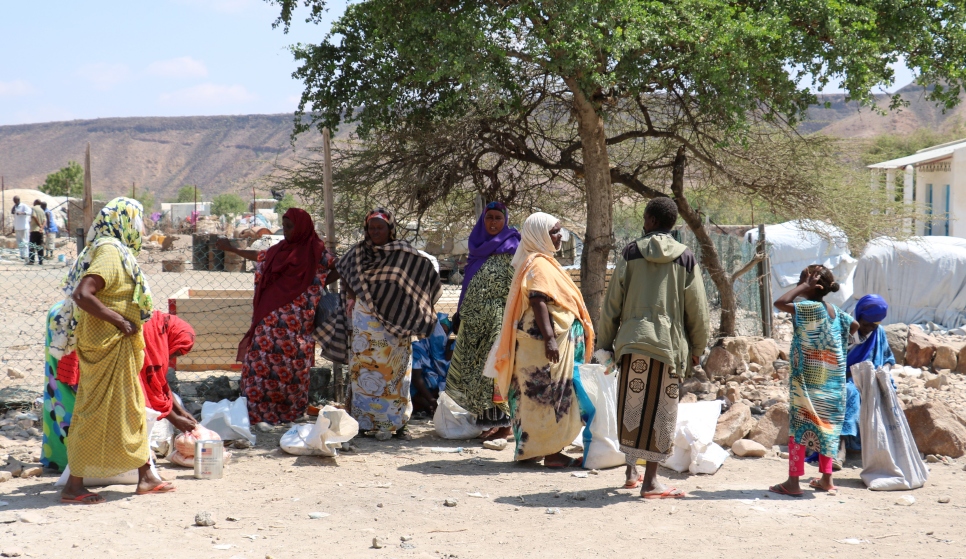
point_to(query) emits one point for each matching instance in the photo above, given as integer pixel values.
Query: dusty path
(395, 489)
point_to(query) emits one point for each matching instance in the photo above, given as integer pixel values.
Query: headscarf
(538, 272)
(397, 284)
(288, 271)
(871, 308)
(164, 335)
(483, 245)
(118, 224)
(875, 348)
(535, 238)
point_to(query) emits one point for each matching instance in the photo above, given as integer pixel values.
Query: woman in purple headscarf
(479, 317)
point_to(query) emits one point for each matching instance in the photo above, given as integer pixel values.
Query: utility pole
(88, 192)
(329, 195)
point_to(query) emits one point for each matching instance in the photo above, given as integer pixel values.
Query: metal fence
(188, 278)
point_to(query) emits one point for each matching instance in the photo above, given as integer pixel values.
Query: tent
(794, 245)
(923, 279)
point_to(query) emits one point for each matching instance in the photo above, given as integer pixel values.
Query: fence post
(764, 283)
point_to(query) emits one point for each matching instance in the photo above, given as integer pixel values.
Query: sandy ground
(396, 489)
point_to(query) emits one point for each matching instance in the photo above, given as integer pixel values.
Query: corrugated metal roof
(923, 156)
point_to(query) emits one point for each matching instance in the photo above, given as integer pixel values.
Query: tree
(287, 201)
(68, 181)
(187, 193)
(643, 94)
(228, 204)
(146, 197)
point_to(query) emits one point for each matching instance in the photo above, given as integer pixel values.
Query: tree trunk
(709, 255)
(598, 237)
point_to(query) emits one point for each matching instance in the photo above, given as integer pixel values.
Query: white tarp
(794, 245)
(923, 279)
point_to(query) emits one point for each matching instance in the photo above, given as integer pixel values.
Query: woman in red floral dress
(279, 348)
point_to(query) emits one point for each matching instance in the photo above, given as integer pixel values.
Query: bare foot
(149, 482)
(75, 493)
(561, 460)
(631, 478)
(497, 433)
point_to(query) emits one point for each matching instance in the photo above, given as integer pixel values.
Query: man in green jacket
(655, 321)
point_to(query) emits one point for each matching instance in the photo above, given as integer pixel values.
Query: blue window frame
(927, 226)
(948, 210)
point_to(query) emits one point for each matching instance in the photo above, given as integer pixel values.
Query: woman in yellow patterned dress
(109, 301)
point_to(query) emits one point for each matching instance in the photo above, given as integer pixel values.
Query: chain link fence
(212, 291)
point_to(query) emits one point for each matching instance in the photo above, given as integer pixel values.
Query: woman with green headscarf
(108, 301)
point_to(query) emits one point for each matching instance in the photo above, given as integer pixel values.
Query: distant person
(816, 398)
(50, 231)
(21, 225)
(38, 223)
(655, 321)
(431, 359)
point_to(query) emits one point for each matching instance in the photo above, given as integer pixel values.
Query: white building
(934, 179)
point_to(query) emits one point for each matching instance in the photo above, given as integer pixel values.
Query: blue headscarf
(871, 308)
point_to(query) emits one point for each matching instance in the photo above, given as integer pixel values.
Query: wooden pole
(134, 194)
(329, 195)
(88, 192)
(764, 284)
(3, 210)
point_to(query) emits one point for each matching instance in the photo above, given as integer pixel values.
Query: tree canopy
(187, 193)
(228, 204)
(68, 181)
(589, 94)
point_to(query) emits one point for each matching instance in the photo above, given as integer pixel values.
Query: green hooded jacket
(656, 305)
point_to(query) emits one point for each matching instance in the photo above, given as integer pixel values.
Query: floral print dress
(275, 371)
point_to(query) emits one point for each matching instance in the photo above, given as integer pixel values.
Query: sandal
(81, 500)
(780, 489)
(632, 484)
(163, 487)
(570, 463)
(672, 493)
(816, 484)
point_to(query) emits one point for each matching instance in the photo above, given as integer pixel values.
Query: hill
(219, 153)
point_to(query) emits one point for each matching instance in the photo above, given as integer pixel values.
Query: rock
(764, 353)
(961, 362)
(738, 347)
(241, 444)
(318, 515)
(495, 444)
(720, 363)
(30, 518)
(378, 543)
(449, 503)
(733, 425)
(5, 476)
(937, 429)
(754, 367)
(920, 348)
(897, 335)
(689, 398)
(263, 427)
(906, 501)
(11, 552)
(947, 357)
(32, 472)
(204, 519)
(14, 373)
(748, 448)
(933, 459)
(782, 369)
(733, 394)
(937, 381)
(944, 499)
(405, 538)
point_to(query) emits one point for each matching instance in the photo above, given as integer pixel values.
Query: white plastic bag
(333, 427)
(228, 419)
(694, 448)
(160, 438)
(452, 421)
(890, 457)
(597, 395)
(127, 478)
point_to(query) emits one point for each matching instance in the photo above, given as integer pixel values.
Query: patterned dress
(275, 371)
(481, 316)
(58, 405)
(380, 369)
(817, 381)
(542, 399)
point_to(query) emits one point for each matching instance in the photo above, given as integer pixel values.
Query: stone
(906, 501)
(764, 353)
(782, 369)
(937, 429)
(263, 427)
(449, 503)
(947, 357)
(11, 552)
(32, 472)
(241, 444)
(937, 381)
(30, 518)
(733, 394)
(318, 515)
(5, 476)
(748, 448)
(738, 347)
(961, 362)
(14, 373)
(720, 363)
(944, 499)
(933, 459)
(690, 398)
(204, 519)
(920, 348)
(733, 425)
(378, 543)
(897, 336)
(495, 444)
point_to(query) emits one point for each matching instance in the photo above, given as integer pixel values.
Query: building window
(948, 211)
(927, 226)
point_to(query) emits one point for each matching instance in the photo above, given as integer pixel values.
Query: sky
(66, 60)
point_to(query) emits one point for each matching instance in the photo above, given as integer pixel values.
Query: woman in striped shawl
(388, 295)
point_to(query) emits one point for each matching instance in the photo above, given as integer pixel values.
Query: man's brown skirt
(647, 409)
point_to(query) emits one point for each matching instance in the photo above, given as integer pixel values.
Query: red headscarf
(165, 335)
(287, 272)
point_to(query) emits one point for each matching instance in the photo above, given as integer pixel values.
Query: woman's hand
(182, 424)
(126, 327)
(551, 351)
(350, 305)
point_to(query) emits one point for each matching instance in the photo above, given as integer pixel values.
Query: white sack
(694, 447)
(228, 419)
(597, 392)
(333, 427)
(453, 422)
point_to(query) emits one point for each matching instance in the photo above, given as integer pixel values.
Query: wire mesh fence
(210, 290)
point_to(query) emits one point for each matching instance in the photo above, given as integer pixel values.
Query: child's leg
(796, 458)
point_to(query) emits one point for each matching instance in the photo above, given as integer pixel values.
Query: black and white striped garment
(397, 283)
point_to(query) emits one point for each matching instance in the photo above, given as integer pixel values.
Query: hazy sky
(63, 60)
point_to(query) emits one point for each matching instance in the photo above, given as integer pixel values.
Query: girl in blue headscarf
(869, 343)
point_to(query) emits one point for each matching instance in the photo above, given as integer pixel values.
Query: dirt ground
(397, 489)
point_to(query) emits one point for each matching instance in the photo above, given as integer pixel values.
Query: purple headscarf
(483, 245)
